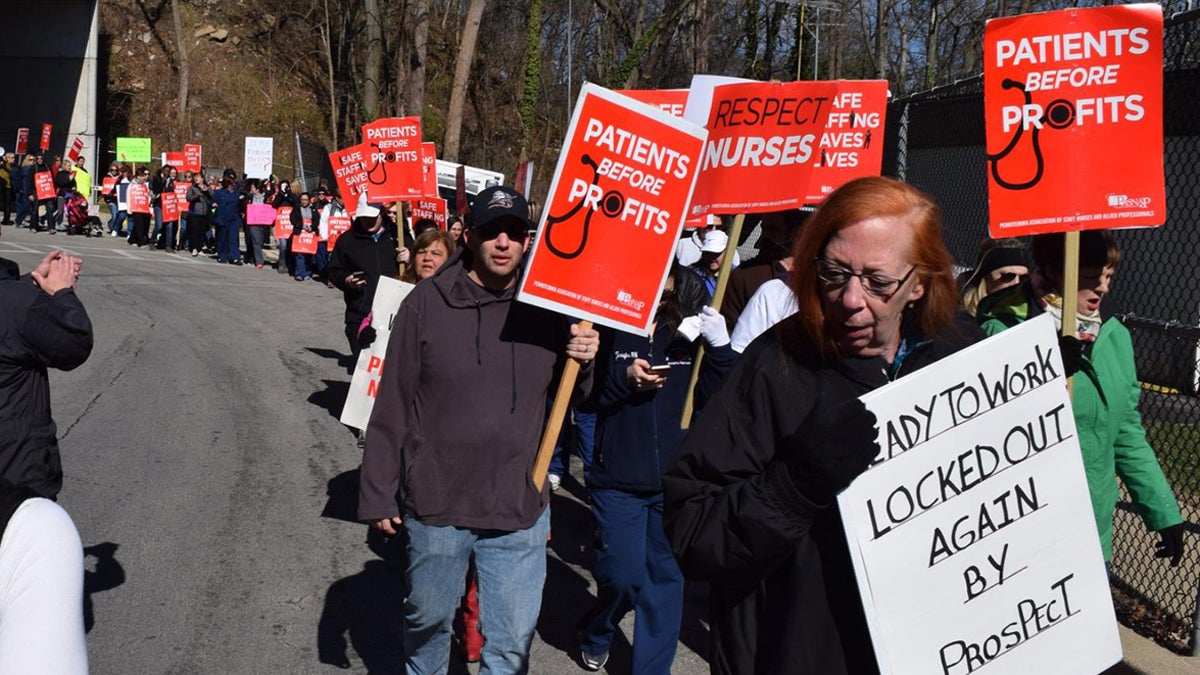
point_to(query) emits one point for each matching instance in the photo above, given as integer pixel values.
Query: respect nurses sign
(852, 144)
(1074, 117)
(763, 142)
(616, 205)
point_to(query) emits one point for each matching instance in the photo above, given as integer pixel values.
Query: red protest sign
(283, 223)
(671, 101)
(107, 185)
(260, 214)
(852, 144)
(139, 198)
(350, 172)
(174, 159)
(22, 140)
(43, 183)
(191, 157)
(305, 242)
(393, 151)
(617, 203)
(762, 146)
(181, 189)
(428, 208)
(429, 169)
(45, 145)
(76, 149)
(338, 225)
(170, 206)
(1062, 90)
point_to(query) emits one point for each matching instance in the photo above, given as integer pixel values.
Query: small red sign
(283, 223)
(170, 207)
(305, 242)
(43, 183)
(22, 140)
(428, 208)
(191, 157)
(338, 225)
(429, 168)
(139, 198)
(46, 136)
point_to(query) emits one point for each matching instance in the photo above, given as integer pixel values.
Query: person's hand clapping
(57, 271)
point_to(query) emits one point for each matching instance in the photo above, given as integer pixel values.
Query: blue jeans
(321, 260)
(302, 266)
(585, 443)
(158, 225)
(23, 209)
(511, 570)
(635, 570)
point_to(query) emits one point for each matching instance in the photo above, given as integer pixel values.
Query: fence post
(902, 144)
(300, 162)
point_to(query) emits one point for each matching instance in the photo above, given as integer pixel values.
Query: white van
(477, 180)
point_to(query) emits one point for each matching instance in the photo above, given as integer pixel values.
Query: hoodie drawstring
(512, 345)
(478, 327)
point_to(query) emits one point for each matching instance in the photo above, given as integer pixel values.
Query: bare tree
(416, 64)
(462, 75)
(373, 67)
(184, 69)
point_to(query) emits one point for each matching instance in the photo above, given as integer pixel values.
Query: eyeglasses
(834, 277)
(513, 228)
(1010, 277)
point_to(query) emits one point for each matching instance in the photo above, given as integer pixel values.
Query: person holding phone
(640, 404)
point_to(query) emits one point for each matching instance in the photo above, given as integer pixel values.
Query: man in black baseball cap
(461, 486)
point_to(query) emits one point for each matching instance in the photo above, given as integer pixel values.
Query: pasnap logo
(1127, 202)
(626, 298)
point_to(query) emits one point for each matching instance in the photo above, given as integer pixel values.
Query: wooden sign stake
(558, 413)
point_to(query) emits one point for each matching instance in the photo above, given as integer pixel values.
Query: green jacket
(1105, 400)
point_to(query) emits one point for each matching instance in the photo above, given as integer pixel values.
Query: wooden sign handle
(1070, 289)
(735, 233)
(558, 413)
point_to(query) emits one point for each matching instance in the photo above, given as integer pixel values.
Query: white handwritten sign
(364, 385)
(972, 536)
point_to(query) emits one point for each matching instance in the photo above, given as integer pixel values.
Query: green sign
(133, 150)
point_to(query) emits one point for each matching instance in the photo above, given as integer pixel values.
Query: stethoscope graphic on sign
(380, 168)
(1060, 114)
(611, 205)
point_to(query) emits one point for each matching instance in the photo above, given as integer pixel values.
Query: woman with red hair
(750, 498)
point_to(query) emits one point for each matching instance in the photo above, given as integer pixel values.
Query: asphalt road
(214, 487)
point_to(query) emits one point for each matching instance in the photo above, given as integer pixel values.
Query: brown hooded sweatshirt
(461, 406)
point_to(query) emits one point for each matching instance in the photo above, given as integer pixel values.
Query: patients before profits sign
(394, 159)
(616, 205)
(852, 144)
(1074, 118)
(763, 142)
(972, 535)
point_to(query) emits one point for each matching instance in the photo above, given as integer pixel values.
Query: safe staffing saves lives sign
(617, 202)
(1074, 116)
(972, 535)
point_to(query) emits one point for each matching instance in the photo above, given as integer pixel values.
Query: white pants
(41, 592)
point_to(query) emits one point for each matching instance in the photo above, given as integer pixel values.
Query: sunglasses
(515, 230)
(1010, 277)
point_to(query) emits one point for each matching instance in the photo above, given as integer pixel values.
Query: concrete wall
(49, 65)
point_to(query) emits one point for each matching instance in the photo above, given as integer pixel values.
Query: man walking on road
(454, 435)
(42, 325)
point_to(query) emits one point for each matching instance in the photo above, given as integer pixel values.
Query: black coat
(359, 251)
(784, 598)
(37, 332)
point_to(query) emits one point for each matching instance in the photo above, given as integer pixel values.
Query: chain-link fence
(314, 166)
(935, 140)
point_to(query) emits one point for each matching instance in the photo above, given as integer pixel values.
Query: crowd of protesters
(845, 299)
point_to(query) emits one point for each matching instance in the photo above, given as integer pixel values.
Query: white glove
(712, 327)
(690, 328)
